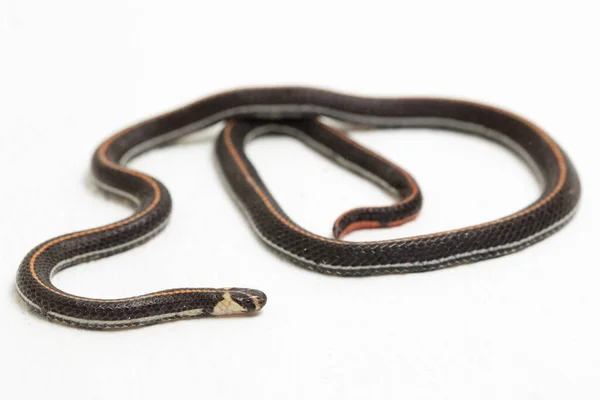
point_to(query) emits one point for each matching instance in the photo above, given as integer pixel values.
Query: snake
(302, 113)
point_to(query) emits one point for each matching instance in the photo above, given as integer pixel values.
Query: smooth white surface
(520, 327)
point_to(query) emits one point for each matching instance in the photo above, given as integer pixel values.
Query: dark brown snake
(294, 111)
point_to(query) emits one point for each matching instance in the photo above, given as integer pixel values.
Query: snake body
(294, 111)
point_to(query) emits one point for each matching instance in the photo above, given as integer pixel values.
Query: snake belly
(294, 111)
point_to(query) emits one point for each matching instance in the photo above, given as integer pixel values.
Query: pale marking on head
(228, 306)
(256, 303)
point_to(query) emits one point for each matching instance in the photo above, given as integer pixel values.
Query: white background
(523, 326)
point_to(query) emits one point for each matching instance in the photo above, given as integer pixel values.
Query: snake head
(238, 301)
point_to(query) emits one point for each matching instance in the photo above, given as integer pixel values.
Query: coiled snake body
(293, 111)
